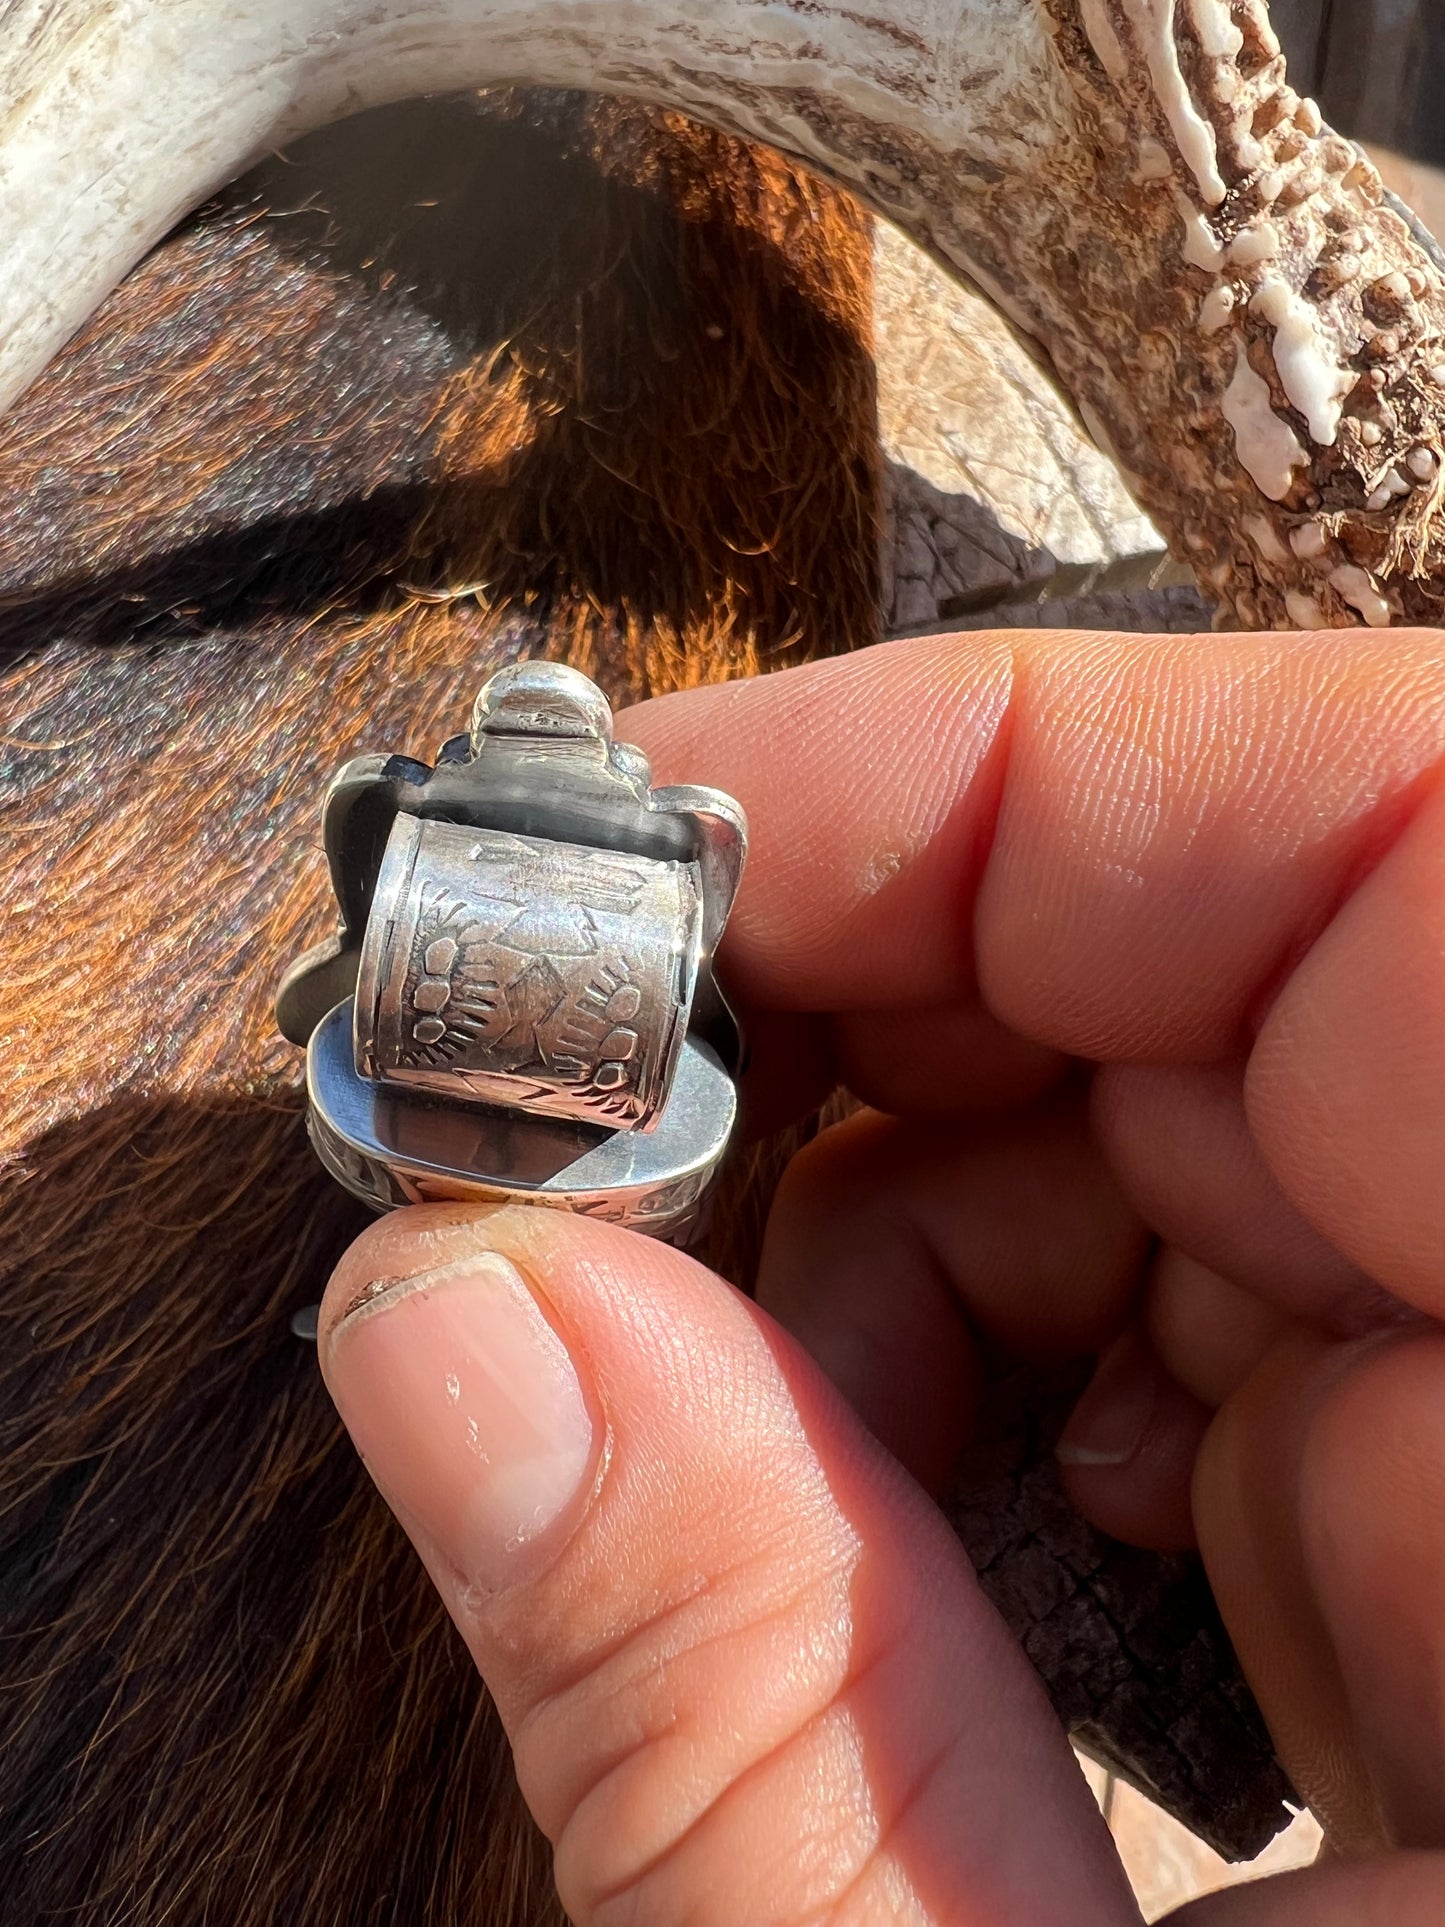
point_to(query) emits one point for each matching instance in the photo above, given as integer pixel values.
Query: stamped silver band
(520, 1001)
(551, 977)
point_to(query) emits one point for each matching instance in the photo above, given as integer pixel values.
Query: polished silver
(551, 977)
(520, 1001)
(388, 1148)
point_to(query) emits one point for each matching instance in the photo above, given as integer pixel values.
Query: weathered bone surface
(1257, 337)
(992, 491)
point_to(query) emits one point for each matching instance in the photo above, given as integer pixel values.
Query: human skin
(1136, 949)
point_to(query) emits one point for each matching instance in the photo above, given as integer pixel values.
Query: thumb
(745, 1668)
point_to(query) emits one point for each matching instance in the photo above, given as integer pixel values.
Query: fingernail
(1109, 1422)
(459, 1393)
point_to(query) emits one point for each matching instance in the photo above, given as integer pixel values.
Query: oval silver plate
(390, 1147)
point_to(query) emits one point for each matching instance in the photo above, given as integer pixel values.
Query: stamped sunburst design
(456, 994)
(523, 970)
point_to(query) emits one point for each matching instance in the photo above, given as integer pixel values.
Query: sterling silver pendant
(520, 1002)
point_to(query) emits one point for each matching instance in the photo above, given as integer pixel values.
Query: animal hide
(448, 384)
(441, 386)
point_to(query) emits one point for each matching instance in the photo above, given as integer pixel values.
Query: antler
(1216, 278)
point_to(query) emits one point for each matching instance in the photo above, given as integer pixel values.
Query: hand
(747, 1673)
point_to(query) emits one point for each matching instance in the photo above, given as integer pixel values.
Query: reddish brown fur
(227, 1693)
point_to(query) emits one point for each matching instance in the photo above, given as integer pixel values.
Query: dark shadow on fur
(460, 207)
(484, 244)
(278, 567)
(190, 1542)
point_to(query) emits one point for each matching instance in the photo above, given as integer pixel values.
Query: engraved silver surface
(389, 1146)
(520, 1000)
(514, 970)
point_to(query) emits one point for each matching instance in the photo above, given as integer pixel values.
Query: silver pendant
(520, 1002)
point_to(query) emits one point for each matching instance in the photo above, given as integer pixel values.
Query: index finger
(1124, 841)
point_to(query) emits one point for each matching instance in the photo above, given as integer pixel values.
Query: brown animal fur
(444, 386)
